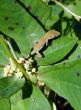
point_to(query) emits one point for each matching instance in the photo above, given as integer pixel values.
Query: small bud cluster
(11, 68)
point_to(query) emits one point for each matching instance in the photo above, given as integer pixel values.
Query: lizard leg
(46, 42)
(38, 55)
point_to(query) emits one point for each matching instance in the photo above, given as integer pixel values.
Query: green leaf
(10, 85)
(38, 9)
(18, 24)
(64, 79)
(57, 51)
(14, 99)
(69, 2)
(74, 7)
(47, 15)
(1, 72)
(3, 59)
(36, 101)
(4, 104)
(54, 17)
(3, 55)
(77, 53)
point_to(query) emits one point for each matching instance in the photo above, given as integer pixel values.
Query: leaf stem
(78, 18)
(4, 43)
(10, 46)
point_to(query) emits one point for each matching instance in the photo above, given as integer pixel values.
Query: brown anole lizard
(44, 40)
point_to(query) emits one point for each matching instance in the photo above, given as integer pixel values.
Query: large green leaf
(3, 59)
(38, 9)
(64, 79)
(54, 18)
(4, 104)
(57, 50)
(46, 15)
(74, 7)
(10, 85)
(14, 99)
(36, 101)
(77, 53)
(3, 55)
(1, 72)
(18, 24)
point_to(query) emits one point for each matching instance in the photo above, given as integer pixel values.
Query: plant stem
(4, 43)
(10, 46)
(78, 18)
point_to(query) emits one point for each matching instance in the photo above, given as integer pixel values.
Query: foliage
(22, 24)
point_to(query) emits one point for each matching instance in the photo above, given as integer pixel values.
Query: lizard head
(54, 33)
